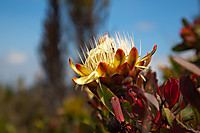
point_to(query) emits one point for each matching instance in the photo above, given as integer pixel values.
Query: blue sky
(151, 22)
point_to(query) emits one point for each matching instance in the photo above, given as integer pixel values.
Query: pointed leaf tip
(149, 54)
(117, 109)
(132, 57)
(85, 71)
(83, 80)
(104, 69)
(105, 94)
(119, 57)
(123, 69)
(74, 67)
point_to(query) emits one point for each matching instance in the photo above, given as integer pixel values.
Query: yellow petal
(140, 66)
(83, 80)
(74, 68)
(123, 69)
(119, 58)
(104, 70)
(150, 54)
(84, 70)
(147, 61)
(132, 57)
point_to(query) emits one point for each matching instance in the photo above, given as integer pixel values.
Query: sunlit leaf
(119, 57)
(126, 108)
(176, 125)
(105, 95)
(152, 99)
(169, 115)
(104, 69)
(74, 68)
(187, 65)
(127, 105)
(186, 114)
(83, 69)
(196, 118)
(132, 57)
(123, 69)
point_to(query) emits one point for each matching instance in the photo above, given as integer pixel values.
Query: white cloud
(145, 26)
(16, 58)
(159, 61)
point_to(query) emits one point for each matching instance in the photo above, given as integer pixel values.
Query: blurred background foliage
(190, 40)
(51, 106)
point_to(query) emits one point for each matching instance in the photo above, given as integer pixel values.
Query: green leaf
(186, 114)
(196, 117)
(169, 115)
(181, 47)
(175, 65)
(197, 30)
(105, 95)
(86, 128)
(171, 118)
(175, 123)
(126, 106)
(185, 22)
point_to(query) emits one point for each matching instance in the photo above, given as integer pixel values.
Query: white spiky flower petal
(105, 50)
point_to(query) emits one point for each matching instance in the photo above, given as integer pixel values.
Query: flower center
(104, 52)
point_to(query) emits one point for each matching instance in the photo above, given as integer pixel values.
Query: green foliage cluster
(24, 112)
(190, 35)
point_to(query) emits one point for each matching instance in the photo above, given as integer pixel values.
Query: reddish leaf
(117, 109)
(120, 58)
(171, 92)
(137, 100)
(153, 100)
(190, 92)
(104, 69)
(132, 57)
(123, 69)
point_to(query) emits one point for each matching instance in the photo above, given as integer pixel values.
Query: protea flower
(171, 92)
(109, 57)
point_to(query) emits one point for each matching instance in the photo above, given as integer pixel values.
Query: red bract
(171, 92)
(117, 109)
(138, 101)
(190, 92)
